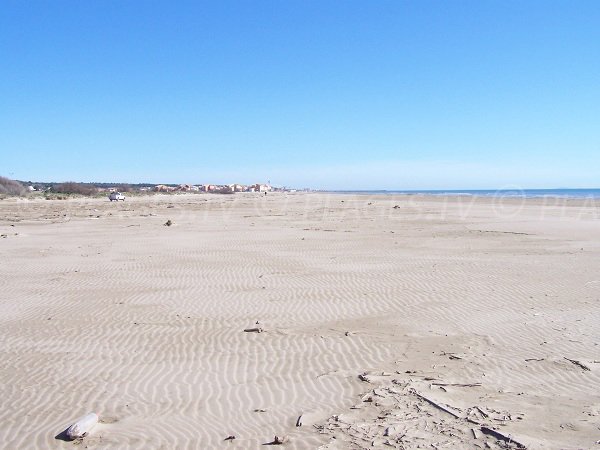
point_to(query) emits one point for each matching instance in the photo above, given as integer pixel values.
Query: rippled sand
(105, 309)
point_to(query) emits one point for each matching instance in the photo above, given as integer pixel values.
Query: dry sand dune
(487, 308)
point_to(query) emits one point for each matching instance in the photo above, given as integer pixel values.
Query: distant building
(163, 188)
(262, 188)
(186, 188)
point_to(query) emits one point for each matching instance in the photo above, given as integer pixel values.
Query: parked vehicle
(116, 196)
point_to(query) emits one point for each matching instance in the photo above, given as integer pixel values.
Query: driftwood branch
(577, 363)
(436, 405)
(457, 384)
(501, 436)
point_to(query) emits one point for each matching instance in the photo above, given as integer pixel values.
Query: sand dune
(104, 309)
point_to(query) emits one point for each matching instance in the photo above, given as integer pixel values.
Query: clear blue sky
(326, 94)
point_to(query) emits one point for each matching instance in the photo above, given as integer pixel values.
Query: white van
(116, 196)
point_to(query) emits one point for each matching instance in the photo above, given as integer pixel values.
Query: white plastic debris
(82, 426)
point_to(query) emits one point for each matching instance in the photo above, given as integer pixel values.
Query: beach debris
(363, 377)
(372, 376)
(168, 223)
(279, 440)
(451, 355)
(260, 410)
(396, 206)
(477, 413)
(444, 408)
(299, 421)
(501, 436)
(482, 412)
(231, 437)
(82, 426)
(577, 363)
(457, 384)
(399, 416)
(254, 330)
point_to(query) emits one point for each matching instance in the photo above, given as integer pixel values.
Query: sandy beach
(388, 321)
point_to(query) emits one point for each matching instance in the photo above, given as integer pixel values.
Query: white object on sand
(253, 330)
(82, 426)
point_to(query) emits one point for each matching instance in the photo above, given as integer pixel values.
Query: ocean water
(522, 193)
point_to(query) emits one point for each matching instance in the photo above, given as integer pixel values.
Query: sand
(487, 308)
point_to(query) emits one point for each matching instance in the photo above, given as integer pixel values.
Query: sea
(517, 193)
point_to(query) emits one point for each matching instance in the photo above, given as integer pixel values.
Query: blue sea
(523, 193)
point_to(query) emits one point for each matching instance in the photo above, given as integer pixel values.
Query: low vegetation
(70, 187)
(11, 187)
(124, 188)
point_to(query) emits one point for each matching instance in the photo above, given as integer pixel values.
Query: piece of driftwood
(168, 223)
(229, 438)
(451, 355)
(457, 384)
(367, 397)
(577, 363)
(82, 426)
(363, 377)
(253, 330)
(299, 421)
(501, 436)
(483, 413)
(436, 405)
